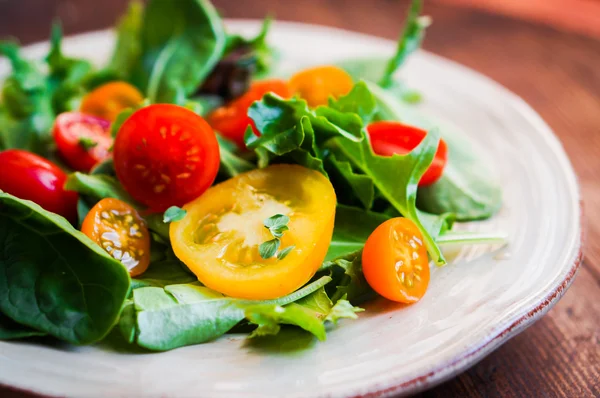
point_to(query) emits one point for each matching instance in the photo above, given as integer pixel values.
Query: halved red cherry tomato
(82, 141)
(121, 232)
(219, 237)
(108, 100)
(316, 85)
(232, 120)
(29, 176)
(388, 138)
(395, 262)
(166, 155)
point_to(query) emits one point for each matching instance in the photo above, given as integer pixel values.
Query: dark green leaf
(174, 213)
(10, 329)
(128, 49)
(360, 185)
(163, 273)
(348, 278)
(98, 186)
(119, 120)
(231, 163)
(410, 41)
(359, 100)
(68, 286)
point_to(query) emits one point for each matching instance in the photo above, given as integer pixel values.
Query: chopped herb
(277, 225)
(269, 248)
(86, 143)
(284, 252)
(174, 213)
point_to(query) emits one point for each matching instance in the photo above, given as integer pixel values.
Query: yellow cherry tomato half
(108, 100)
(316, 85)
(121, 232)
(395, 262)
(219, 237)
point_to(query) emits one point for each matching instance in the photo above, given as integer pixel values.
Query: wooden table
(557, 73)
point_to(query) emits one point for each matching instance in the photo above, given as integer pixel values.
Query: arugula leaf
(181, 43)
(127, 49)
(396, 177)
(231, 164)
(350, 184)
(348, 279)
(98, 186)
(410, 40)
(68, 286)
(174, 213)
(342, 309)
(187, 314)
(359, 100)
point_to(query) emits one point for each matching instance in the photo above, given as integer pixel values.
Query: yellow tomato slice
(219, 237)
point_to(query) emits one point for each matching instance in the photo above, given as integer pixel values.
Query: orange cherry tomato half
(316, 85)
(121, 232)
(82, 141)
(108, 100)
(232, 120)
(395, 262)
(166, 155)
(31, 177)
(388, 138)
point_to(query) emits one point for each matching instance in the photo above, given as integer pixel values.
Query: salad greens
(180, 53)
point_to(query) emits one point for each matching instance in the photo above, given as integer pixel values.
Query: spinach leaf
(163, 273)
(181, 43)
(128, 49)
(10, 329)
(187, 314)
(396, 177)
(410, 41)
(68, 286)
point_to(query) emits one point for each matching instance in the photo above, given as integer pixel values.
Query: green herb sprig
(277, 225)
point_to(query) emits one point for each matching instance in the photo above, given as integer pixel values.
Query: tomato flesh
(82, 141)
(388, 138)
(219, 237)
(316, 85)
(395, 262)
(121, 232)
(165, 155)
(110, 99)
(232, 120)
(29, 176)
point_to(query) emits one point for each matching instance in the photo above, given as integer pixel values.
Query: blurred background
(548, 52)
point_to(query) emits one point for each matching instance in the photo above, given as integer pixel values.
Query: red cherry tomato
(388, 138)
(232, 120)
(166, 155)
(29, 176)
(82, 140)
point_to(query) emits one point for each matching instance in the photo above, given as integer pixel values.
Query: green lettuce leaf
(128, 49)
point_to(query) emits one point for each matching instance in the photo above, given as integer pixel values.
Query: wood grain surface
(558, 73)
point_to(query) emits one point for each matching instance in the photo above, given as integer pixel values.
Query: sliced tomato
(316, 85)
(82, 141)
(166, 155)
(121, 232)
(110, 99)
(388, 138)
(220, 236)
(395, 262)
(29, 176)
(232, 120)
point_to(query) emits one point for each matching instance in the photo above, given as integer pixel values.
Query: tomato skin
(316, 85)
(231, 120)
(395, 262)
(165, 155)
(29, 176)
(118, 228)
(70, 128)
(388, 138)
(108, 100)
(218, 239)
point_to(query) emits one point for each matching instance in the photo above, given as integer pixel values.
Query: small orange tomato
(395, 262)
(117, 228)
(108, 100)
(316, 85)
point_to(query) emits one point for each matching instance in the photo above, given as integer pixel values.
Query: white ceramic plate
(473, 305)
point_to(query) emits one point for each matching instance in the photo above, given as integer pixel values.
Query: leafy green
(127, 49)
(348, 279)
(470, 238)
(68, 286)
(163, 273)
(277, 225)
(98, 186)
(350, 184)
(261, 52)
(174, 213)
(231, 163)
(187, 314)
(410, 41)
(359, 101)
(10, 329)
(396, 177)
(181, 43)
(342, 309)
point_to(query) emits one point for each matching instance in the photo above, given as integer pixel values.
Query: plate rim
(526, 317)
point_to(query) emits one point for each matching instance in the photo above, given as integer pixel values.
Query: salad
(186, 189)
